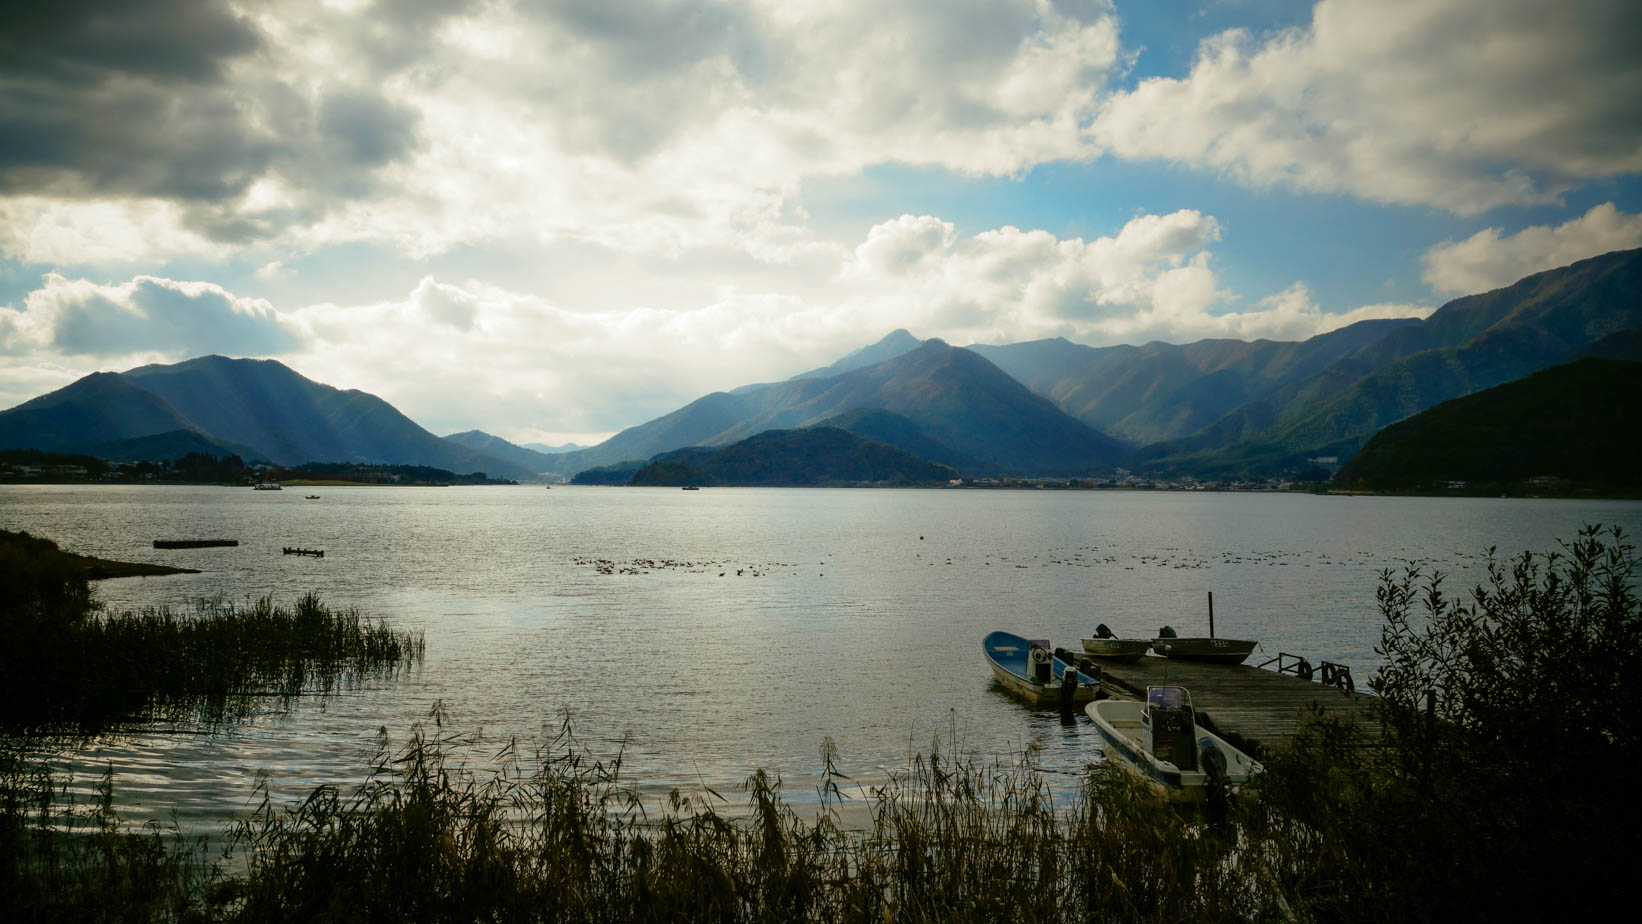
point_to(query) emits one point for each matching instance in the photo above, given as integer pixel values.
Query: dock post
(1211, 614)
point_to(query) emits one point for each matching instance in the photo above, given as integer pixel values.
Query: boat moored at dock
(1209, 650)
(1109, 647)
(1160, 741)
(1029, 668)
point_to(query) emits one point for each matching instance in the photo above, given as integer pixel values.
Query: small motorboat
(1160, 742)
(313, 497)
(1111, 648)
(1208, 650)
(1030, 668)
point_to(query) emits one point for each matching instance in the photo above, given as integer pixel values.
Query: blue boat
(1031, 669)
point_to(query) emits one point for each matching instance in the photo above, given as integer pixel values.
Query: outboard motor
(1038, 668)
(1101, 631)
(1068, 687)
(1174, 726)
(1212, 761)
(1167, 632)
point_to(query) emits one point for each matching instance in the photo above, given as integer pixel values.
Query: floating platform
(1262, 707)
(193, 543)
(315, 553)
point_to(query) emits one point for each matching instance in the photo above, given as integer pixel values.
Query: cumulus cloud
(1462, 104)
(1488, 260)
(1153, 279)
(147, 316)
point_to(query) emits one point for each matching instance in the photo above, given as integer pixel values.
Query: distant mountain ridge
(1215, 408)
(261, 410)
(1469, 344)
(978, 418)
(487, 444)
(1161, 391)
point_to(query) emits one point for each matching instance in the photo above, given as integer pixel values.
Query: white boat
(1031, 670)
(268, 486)
(1160, 742)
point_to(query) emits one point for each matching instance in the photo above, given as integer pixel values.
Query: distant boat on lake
(268, 486)
(1030, 669)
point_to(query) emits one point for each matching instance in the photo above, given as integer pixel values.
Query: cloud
(651, 126)
(1462, 104)
(900, 247)
(1153, 279)
(186, 110)
(1486, 260)
(146, 316)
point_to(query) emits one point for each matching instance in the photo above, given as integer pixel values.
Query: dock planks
(1262, 706)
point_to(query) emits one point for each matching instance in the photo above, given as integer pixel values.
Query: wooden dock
(1261, 706)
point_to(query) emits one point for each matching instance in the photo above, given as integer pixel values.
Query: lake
(705, 634)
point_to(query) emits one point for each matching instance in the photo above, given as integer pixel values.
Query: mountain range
(261, 410)
(1213, 408)
(959, 409)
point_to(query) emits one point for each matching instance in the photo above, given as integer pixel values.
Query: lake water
(704, 634)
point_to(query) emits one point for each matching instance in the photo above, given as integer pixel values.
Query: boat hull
(1120, 650)
(1205, 650)
(1006, 654)
(1118, 723)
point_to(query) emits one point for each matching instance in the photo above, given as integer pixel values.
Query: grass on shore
(422, 839)
(70, 668)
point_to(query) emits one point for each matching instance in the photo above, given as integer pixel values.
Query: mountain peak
(896, 343)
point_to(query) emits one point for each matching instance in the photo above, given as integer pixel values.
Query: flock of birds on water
(1082, 557)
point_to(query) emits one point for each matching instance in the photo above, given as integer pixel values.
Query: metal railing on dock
(1333, 674)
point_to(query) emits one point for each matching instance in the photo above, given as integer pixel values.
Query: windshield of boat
(1168, 697)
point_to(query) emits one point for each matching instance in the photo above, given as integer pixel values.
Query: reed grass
(213, 663)
(556, 835)
(69, 667)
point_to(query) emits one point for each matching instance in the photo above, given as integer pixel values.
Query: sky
(552, 220)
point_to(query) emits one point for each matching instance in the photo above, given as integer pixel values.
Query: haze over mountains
(1052, 407)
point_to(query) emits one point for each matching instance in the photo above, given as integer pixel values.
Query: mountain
(1575, 423)
(486, 444)
(895, 343)
(896, 430)
(812, 456)
(260, 409)
(1469, 344)
(983, 421)
(552, 450)
(1162, 391)
(101, 407)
